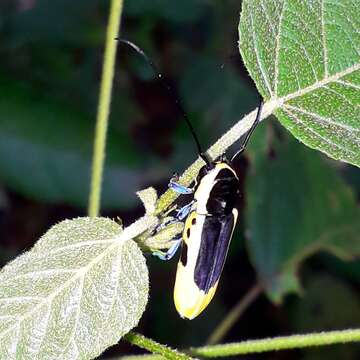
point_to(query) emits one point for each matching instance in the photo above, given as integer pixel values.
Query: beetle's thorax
(219, 175)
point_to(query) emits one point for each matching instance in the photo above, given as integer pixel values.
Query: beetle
(210, 220)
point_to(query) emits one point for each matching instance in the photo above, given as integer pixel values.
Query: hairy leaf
(297, 205)
(305, 57)
(82, 286)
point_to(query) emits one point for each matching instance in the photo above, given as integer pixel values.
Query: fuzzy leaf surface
(79, 289)
(305, 57)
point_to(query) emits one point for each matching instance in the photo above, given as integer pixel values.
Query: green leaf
(82, 286)
(304, 56)
(297, 205)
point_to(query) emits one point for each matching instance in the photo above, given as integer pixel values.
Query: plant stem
(279, 343)
(232, 317)
(104, 106)
(154, 347)
(229, 138)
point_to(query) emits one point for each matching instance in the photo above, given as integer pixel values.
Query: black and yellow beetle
(210, 220)
(206, 237)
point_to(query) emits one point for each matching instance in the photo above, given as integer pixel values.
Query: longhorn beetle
(210, 219)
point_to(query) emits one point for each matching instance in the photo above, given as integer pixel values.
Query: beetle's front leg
(180, 189)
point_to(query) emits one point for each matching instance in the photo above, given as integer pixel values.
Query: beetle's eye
(203, 171)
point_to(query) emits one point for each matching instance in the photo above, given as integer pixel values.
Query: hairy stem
(279, 343)
(233, 316)
(104, 106)
(154, 347)
(216, 150)
(219, 148)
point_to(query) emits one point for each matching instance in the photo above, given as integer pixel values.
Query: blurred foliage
(314, 311)
(50, 56)
(297, 205)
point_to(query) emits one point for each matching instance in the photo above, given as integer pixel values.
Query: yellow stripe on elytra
(189, 299)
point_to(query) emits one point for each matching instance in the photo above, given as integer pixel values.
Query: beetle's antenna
(249, 133)
(167, 86)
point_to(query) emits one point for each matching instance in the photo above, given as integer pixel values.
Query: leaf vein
(80, 244)
(258, 59)
(348, 84)
(349, 37)
(322, 119)
(118, 266)
(265, 11)
(307, 57)
(334, 145)
(77, 314)
(42, 272)
(277, 49)
(79, 273)
(305, 26)
(320, 83)
(340, 95)
(20, 298)
(323, 34)
(46, 319)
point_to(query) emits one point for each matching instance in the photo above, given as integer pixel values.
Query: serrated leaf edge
(127, 234)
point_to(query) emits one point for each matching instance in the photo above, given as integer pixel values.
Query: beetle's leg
(172, 220)
(180, 216)
(170, 253)
(180, 189)
(184, 211)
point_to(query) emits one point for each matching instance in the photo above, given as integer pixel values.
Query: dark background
(50, 67)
